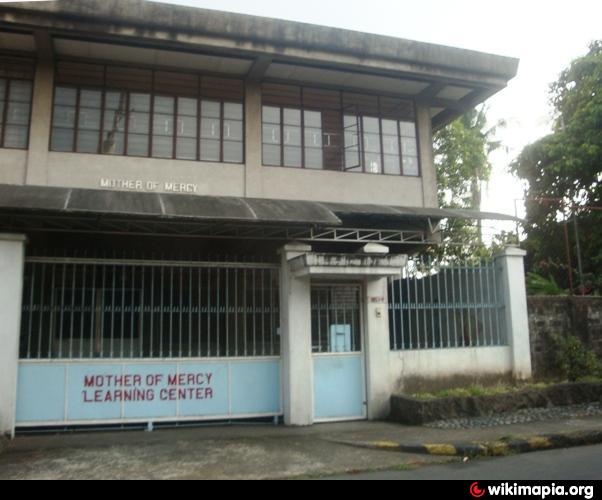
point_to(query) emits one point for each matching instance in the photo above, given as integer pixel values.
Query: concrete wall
(38, 166)
(413, 371)
(11, 289)
(563, 316)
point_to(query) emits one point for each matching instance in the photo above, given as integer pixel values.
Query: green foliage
(462, 152)
(563, 174)
(573, 361)
(538, 285)
(479, 390)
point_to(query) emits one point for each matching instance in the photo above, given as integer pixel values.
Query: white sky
(545, 34)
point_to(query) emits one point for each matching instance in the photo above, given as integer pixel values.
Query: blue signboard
(75, 392)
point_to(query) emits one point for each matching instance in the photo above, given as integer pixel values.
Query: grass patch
(479, 390)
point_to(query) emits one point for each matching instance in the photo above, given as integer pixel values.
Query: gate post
(12, 254)
(295, 325)
(514, 293)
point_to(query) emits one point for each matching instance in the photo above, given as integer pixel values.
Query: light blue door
(339, 381)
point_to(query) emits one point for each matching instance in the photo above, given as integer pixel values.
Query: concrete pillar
(514, 294)
(377, 348)
(39, 134)
(11, 290)
(295, 330)
(253, 130)
(427, 162)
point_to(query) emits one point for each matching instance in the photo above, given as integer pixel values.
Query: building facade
(203, 216)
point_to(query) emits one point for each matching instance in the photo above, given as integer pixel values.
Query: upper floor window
(331, 130)
(140, 112)
(16, 87)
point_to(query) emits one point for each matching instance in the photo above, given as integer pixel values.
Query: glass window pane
(313, 137)
(371, 125)
(18, 113)
(352, 160)
(114, 120)
(271, 134)
(313, 119)
(15, 136)
(233, 130)
(210, 128)
(389, 127)
(64, 95)
(313, 158)
(2, 88)
(64, 116)
(392, 165)
(139, 102)
(409, 146)
(61, 140)
(271, 155)
(87, 141)
(210, 109)
(163, 125)
(20, 90)
(271, 114)
(373, 165)
(187, 126)
(351, 139)
(187, 106)
(164, 105)
(350, 121)
(233, 152)
(292, 156)
(113, 143)
(162, 147)
(116, 100)
(292, 136)
(90, 99)
(210, 150)
(137, 145)
(372, 143)
(410, 166)
(139, 123)
(233, 111)
(292, 116)
(186, 149)
(391, 145)
(408, 129)
(89, 119)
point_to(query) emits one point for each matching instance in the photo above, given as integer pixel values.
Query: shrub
(573, 360)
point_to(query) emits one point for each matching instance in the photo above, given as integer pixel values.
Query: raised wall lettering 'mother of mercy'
(149, 186)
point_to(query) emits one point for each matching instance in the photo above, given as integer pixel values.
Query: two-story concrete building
(202, 215)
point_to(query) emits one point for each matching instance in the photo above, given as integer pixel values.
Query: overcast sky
(545, 34)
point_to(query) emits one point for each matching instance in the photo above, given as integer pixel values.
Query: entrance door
(339, 375)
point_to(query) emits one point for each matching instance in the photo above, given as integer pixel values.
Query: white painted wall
(442, 363)
(11, 290)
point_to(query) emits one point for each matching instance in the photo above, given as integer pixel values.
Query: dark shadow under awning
(73, 201)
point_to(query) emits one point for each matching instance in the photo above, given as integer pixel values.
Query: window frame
(4, 117)
(152, 93)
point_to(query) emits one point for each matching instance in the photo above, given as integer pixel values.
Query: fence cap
(511, 251)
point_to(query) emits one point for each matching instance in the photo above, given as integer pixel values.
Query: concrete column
(11, 291)
(253, 130)
(295, 329)
(39, 134)
(377, 348)
(427, 162)
(514, 294)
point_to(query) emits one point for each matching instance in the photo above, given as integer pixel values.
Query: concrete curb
(490, 448)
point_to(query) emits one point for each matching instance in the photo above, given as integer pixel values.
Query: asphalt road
(572, 464)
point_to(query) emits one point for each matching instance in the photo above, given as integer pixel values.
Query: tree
(462, 152)
(563, 172)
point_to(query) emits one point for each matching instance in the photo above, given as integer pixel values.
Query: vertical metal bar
(62, 319)
(447, 305)
(114, 288)
(52, 311)
(122, 343)
(32, 283)
(497, 308)
(71, 330)
(171, 310)
(41, 324)
(189, 310)
(254, 312)
(236, 311)
(227, 311)
(102, 312)
(406, 273)
(328, 306)
(83, 309)
(217, 312)
(482, 294)
(162, 312)
(132, 310)
(432, 303)
(393, 309)
(181, 317)
(263, 312)
(92, 311)
(402, 325)
(208, 312)
(423, 281)
(461, 306)
(246, 310)
(142, 335)
(272, 308)
(467, 280)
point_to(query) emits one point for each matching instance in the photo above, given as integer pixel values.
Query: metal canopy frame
(214, 230)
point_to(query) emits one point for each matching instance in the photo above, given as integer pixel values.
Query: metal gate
(114, 341)
(337, 344)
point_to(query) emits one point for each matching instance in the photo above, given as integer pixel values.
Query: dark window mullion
(199, 111)
(76, 131)
(401, 172)
(282, 137)
(103, 103)
(382, 142)
(175, 128)
(127, 123)
(360, 129)
(151, 121)
(302, 136)
(5, 111)
(221, 124)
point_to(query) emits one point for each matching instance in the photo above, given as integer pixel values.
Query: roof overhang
(448, 80)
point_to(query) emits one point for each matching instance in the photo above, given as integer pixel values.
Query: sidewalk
(245, 452)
